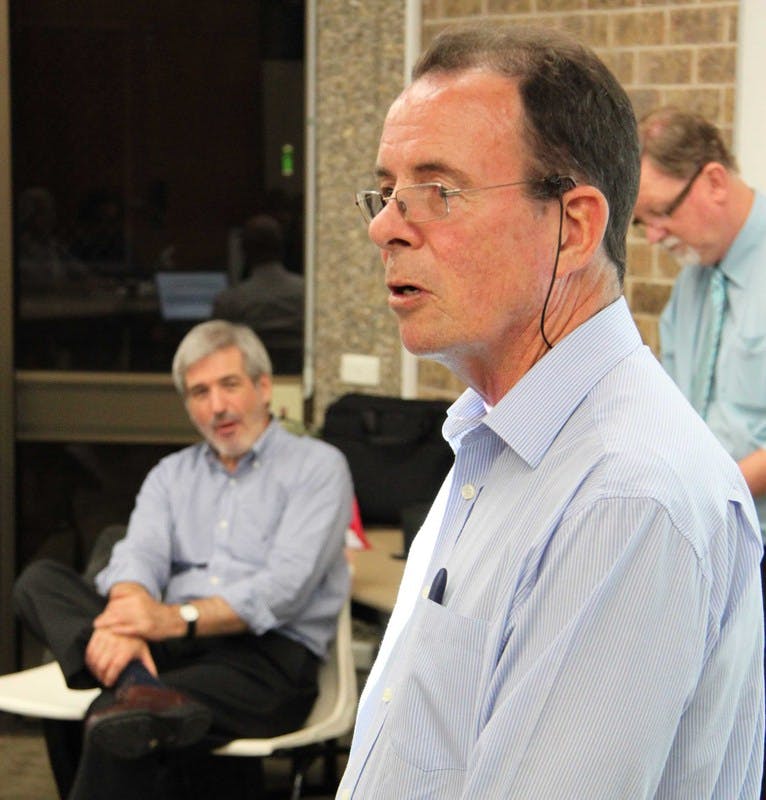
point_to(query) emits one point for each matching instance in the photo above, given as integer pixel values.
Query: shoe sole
(137, 733)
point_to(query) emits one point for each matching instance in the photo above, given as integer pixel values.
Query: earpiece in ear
(556, 185)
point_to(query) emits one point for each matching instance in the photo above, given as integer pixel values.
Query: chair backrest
(337, 678)
(334, 709)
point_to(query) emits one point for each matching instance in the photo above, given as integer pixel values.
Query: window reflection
(145, 136)
(268, 297)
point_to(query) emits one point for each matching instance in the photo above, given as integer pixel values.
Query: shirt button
(388, 693)
(223, 524)
(345, 794)
(468, 491)
(215, 580)
(424, 593)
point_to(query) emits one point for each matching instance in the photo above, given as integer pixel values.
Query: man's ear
(266, 385)
(716, 177)
(584, 221)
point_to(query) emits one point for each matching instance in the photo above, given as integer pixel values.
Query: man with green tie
(693, 202)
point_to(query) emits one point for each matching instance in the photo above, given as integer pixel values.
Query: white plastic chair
(331, 717)
(42, 692)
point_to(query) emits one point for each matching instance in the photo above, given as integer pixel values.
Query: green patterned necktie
(702, 381)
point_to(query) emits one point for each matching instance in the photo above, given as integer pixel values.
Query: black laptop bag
(395, 450)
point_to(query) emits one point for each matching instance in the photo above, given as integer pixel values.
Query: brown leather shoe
(144, 718)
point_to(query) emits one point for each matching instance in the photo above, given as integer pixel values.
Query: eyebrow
(640, 219)
(428, 168)
(647, 211)
(206, 384)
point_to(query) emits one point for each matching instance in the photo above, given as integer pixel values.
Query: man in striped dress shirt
(580, 615)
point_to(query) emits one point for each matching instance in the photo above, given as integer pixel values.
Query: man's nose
(655, 232)
(388, 228)
(217, 400)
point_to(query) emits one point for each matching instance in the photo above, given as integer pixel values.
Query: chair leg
(297, 784)
(302, 761)
(330, 771)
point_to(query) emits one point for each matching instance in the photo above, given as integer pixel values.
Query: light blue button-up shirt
(267, 538)
(737, 411)
(601, 633)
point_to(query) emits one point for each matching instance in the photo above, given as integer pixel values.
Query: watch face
(189, 612)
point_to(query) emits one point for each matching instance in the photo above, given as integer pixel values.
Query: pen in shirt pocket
(438, 585)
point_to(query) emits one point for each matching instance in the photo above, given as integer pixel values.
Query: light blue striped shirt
(601, 632)
(267, 538)
(737, 413)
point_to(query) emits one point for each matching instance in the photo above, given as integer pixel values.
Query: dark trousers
(255, 686)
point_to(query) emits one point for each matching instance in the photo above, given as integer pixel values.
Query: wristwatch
(190, 615)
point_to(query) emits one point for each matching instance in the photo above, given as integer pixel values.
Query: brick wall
(680, 52)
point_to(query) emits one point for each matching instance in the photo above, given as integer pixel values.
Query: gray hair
(217, 334)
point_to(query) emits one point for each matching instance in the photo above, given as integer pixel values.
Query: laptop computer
(186, 295)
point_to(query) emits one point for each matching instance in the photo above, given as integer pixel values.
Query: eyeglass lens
(370, 204)
(419, 203)
(422, 203)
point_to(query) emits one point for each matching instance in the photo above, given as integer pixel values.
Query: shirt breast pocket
(254, 527)
(743, 382)
(433, 718)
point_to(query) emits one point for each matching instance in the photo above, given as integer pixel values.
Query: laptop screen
(188, 295)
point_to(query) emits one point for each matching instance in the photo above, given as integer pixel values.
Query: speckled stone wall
(360, 57)
(664, 51)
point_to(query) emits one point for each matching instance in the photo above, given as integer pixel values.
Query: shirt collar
(735, 265)
(529, 417)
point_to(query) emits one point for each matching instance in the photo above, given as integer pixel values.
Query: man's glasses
(424, 202)
(675, 203)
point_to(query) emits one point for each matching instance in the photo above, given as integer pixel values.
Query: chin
(422, 349)
(684, 254)
(689, 258)
(226, 449)
(419, 341)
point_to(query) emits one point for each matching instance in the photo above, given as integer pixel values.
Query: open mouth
(403, 295)
(226, 428)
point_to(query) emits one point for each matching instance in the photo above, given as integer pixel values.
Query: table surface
(376, 574)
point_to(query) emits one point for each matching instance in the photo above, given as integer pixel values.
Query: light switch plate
(360, 369)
